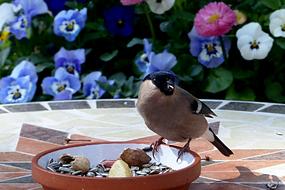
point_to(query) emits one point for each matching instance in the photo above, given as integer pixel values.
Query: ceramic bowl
(186, 170)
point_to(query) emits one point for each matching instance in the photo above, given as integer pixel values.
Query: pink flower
(131, 2)
(214, 19)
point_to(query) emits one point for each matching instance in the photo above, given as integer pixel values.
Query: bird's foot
(156, 144)
(185, 148)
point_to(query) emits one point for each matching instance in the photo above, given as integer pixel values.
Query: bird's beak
(170, 85)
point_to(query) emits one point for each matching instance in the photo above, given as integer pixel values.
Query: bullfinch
(175, 114)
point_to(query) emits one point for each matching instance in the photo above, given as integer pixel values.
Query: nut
(80, 163)
(135, 157)
(120, 169)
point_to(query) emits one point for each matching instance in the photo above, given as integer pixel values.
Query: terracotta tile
(147, 140)
(6, 168)
(274, 156)
(14, 156)
(219, 186)
(240, 165)
(9, 175)
(238, 154)
(31, 146)
(20, 186)
(82, 139)
(43, 134)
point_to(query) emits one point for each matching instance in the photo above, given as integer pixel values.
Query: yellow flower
(4, 35)
(241, 17)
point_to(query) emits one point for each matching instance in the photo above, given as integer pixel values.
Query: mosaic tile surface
(254, 131)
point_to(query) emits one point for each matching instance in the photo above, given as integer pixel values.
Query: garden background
(57, 50)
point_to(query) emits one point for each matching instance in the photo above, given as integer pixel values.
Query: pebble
(101, 171)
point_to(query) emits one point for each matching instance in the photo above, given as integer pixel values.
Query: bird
(173, 113)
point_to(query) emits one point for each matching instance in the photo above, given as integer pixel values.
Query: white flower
(160, 6)
(252, 42)
(6, 14)
(277, 23)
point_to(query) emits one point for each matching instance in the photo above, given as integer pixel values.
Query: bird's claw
(155, 145)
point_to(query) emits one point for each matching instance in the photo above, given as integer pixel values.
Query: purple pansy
(61, 82)
(208, 49)
(91, 86)
(119, 20)
(69, 23)
(71, 60)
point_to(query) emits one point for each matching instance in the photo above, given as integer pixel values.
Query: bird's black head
(164, 81)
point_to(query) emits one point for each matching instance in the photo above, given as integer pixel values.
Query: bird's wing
(197, 106)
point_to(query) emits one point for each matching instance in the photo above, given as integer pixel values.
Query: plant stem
(223, 49)
(149, 22)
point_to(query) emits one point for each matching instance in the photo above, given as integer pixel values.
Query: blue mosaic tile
(67, 105)
(241, 106)
(115, 104)
(25, 107)
(274, 109)
(212, 104)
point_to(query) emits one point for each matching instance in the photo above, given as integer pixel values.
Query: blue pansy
(143, 61)
(119, 20)
(69, 23)
(151, 62)
(91, 87)
(15, 90)
(208, 49)
(21, 85)
(26, 10)
(71, 60)
(26, 68)
(59, 83)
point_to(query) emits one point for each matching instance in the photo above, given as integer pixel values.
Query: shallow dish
(186, 170)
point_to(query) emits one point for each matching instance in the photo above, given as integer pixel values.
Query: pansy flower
(277, 23)
(119, 20)
(71, 60)
(131, 2)
(208, 49)
(252, 42)
(14, 90)
(91, 85)
(61, 82)
(27, 9)
(69, 23)
(143, 61)
(161, 6)
(7, 14)
(55, 6)
(21, 85)
(151, 62)
(215, 19)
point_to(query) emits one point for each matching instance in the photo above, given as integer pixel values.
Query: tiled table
(254, 131)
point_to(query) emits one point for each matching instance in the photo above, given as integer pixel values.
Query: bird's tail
(220, 145)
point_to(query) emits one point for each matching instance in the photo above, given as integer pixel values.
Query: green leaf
(243, 94)
(134, 41)
(109, 56)
(272, 4)
(43, 66)
(4, 55)
(274, 91)
(196, 70)
(119, 78)
(219, 80)
(280, 42)
(242, 74)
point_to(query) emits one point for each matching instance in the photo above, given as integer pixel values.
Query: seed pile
(137, 164)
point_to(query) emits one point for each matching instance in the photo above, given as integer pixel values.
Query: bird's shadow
(250, 178)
